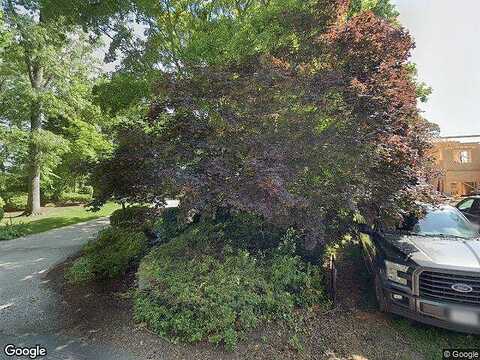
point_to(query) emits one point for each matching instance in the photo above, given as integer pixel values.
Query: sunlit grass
(53, 218)
(429, 340)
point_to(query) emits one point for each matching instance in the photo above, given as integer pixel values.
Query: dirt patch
(354, 330)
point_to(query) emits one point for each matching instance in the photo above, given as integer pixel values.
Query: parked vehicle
(470, 207)
(429, 269)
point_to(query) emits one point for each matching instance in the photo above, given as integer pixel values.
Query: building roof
(460, 138)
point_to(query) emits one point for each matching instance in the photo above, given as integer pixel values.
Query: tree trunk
(33, 205)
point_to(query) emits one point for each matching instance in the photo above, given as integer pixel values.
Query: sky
(447, 54)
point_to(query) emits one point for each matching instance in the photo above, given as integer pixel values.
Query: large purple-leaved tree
(305, 134)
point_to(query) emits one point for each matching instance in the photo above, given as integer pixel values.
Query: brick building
(459, 160)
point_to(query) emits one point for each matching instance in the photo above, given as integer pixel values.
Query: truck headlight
(394, 272)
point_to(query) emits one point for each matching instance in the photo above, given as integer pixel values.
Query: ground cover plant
(116, 248)
(201, 287)
(108, 256)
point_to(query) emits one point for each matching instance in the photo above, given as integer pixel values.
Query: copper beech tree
(304, 134)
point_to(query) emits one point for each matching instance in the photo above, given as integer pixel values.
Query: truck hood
(448, 253)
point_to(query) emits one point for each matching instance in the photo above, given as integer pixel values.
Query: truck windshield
(442, 222)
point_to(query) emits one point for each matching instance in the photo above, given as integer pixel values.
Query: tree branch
(47, 82)
(29, 69)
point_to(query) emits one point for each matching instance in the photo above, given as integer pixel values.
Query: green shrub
(108, 256)
(86, 190)
(46, 197)
(17, 202)
(74, 198)
(167, 225)
(130, 217)
(241, 230)
(82, 270)
(252, 233)
(2, 203)
(194, 288)
(8, 232)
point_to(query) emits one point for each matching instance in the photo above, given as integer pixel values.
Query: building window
(454, 188)
(464, 157)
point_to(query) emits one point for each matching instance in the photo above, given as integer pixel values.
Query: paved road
(28, 307)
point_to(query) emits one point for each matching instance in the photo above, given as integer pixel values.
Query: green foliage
(74, 198)
(296, 343)
(16, 202)
(250, 232)
(13, 157)
(381, 8)
(130, 217)
(129, 91)
(86, 146)
(108, 256)
(193, 288)
(49, 121)
(86, 190)
(4, 35)
(423, 91)
(8, 232)
(168, 225)
(51, 147)
(82, 270)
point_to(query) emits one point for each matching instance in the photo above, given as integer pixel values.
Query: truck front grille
(438, 286)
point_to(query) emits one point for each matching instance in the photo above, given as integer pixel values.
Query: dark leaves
(305, 140)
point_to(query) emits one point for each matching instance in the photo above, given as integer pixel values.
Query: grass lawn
(50, 219)
(429, 341)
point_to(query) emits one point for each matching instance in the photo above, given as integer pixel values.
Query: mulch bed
(102, 313)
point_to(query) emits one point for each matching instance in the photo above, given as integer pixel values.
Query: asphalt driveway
(28, 307)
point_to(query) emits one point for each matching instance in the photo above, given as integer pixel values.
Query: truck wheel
(380, 295)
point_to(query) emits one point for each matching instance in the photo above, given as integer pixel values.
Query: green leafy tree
(46, 73)
(4, 35)
(381, 8)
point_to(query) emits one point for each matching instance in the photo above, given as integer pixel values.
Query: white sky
(447, 35)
